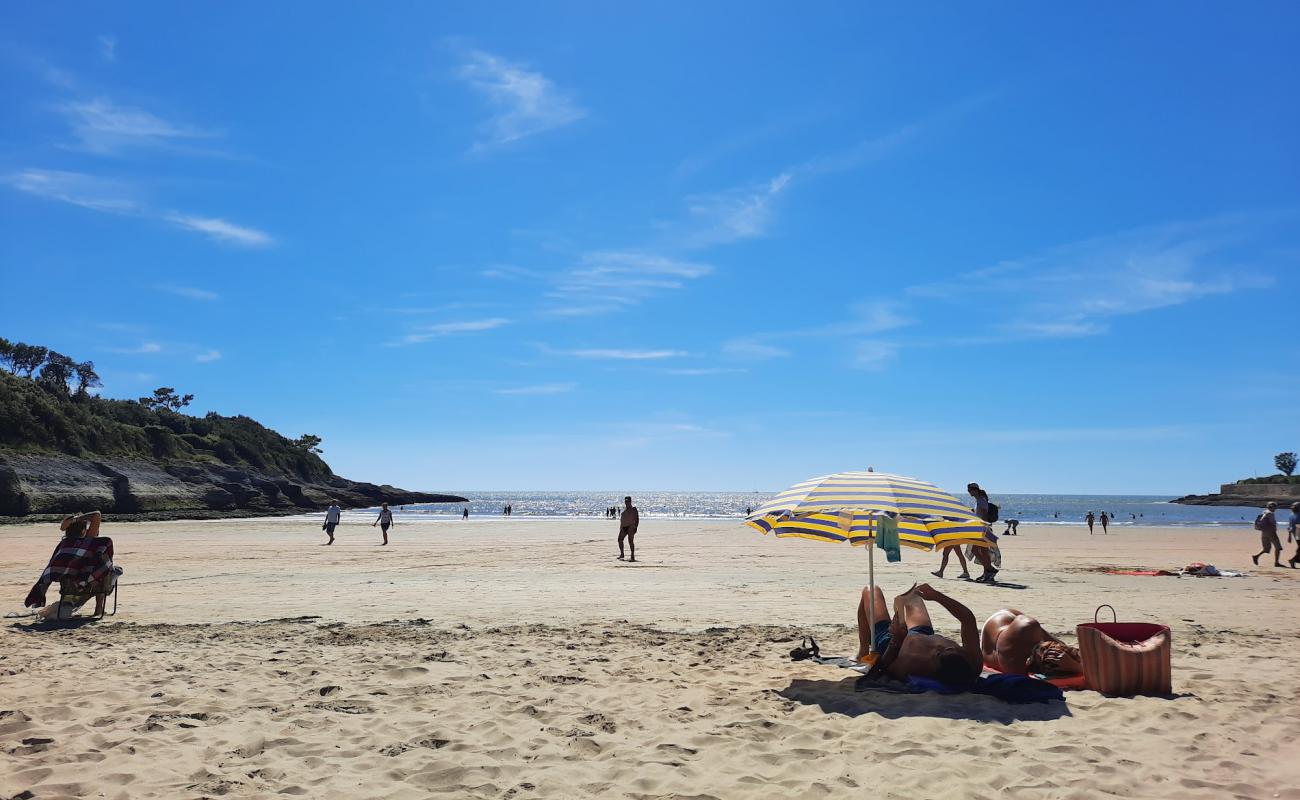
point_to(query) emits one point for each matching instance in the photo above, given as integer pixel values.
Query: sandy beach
(516, 659)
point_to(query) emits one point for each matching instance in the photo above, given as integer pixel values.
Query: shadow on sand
(54, 625)
(853, 697)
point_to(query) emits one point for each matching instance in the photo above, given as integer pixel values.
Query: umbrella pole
(871, 591)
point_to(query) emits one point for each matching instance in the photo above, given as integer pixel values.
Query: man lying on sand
(1015, 643)
(907, 644)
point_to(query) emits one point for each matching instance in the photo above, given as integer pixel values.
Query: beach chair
(75, 594)
(1125, 658)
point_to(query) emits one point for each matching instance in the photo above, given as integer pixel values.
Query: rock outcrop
(36, 484)
(1246, 494)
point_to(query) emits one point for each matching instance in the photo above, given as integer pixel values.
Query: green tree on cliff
(7, 355)
(56, 373)
(166, 397)
(27, 357)
(308, 442)
(1285, 462)
(87, 378)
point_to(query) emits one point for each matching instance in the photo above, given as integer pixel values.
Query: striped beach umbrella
(849, 507)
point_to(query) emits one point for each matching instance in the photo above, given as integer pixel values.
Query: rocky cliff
(1246, 494)
(62, 452)
(37, 484)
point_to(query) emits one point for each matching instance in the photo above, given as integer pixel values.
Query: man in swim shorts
(1015, 643)
(628, 522)
(332, 515)
(907, 645)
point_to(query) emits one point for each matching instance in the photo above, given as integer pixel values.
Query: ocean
(1050, 509)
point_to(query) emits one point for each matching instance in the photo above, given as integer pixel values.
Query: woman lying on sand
(1015, 643)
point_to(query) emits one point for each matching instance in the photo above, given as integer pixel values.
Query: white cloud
(752, 349)
(208, 356)
(424, 333)
(107, 47)
(221, 230)
(111, 196)
(735, 214)
(874, 355)
(190, 292)
(78, 189)
(540, 389)
(526, 102)
(144, 348)
(623, 355)
(105, 128)
(703, 371)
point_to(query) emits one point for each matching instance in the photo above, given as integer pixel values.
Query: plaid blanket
(78, 560)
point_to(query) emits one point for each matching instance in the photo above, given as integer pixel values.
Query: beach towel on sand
(1007, 688)
(78, 560)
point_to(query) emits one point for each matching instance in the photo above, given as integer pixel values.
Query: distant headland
(1283, 488)
(64, 450)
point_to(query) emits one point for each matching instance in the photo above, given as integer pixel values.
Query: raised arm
(970, 632)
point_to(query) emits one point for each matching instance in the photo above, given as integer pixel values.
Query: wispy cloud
(107, 47)
(144, 348)
(617, 354)
(106, 128)
(188, 291)
(112, 196)
(735, 214)
(208, 356)
(698, 371)
(539, 389)
(221, 230)
(858, 329)
(78, 189)
(605, 281)
(425, 333)
(525, 101)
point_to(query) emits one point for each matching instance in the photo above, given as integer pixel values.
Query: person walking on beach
(1105, 522)
(985, 555)
(627, 525)
(1293, 532)
(1266, 524)
(1090, 519)
(332, 516)
(384, 520)
(464, 512)
(947, 551)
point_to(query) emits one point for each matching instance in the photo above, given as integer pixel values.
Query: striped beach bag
(1125, 658)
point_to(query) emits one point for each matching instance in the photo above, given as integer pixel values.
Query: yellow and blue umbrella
(850, 506)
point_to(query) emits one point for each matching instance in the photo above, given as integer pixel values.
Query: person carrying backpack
(986, 555)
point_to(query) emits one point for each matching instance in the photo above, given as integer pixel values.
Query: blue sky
(729, 246)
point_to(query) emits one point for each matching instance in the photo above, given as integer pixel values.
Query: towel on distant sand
(78, 560)
(887, 538)
(1007, 688)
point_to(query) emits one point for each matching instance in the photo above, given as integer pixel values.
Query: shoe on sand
(1255, 559)
(937, 574)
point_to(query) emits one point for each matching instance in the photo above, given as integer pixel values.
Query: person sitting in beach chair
(907, 645)
(1015, 643)
(82, 563)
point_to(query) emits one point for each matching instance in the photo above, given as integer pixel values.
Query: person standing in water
(464, 512)
(1090, 519)
(332, 516)
(627, 525)
(384, 520)
(1105, 522)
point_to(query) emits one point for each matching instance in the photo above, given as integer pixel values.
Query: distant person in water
(907, 645)
(384, 520)
(1293, 533)
(1090, 519)
(1105, 522)
(1266, 524)
(464, 512)
(1015, 643)
(627, 525)
(332, 516)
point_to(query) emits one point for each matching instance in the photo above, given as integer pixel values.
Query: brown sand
(518, 659)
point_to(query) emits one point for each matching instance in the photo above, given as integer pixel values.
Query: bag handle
(1113, 616)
